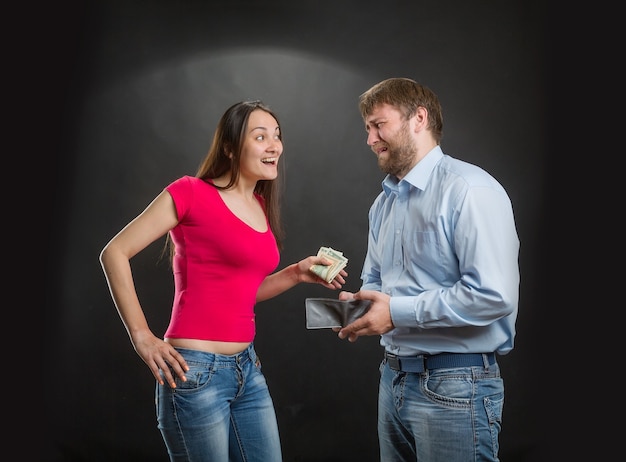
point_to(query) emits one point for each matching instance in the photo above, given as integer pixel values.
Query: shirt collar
(418, 176)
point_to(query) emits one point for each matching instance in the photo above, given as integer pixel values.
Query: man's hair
(406, 95)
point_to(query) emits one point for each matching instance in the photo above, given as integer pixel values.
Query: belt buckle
(393, 361)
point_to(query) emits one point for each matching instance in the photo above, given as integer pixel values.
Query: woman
(225, 235)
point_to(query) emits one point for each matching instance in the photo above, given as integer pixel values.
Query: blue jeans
(223, 412)
(451, 415)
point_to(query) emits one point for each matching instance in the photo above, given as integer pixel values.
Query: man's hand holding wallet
(354, 315)
(322, 313)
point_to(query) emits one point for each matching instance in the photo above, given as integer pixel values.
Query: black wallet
(328, 312)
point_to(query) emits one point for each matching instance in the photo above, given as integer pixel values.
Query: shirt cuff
(402, 311)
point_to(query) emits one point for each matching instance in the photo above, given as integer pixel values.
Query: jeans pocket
(493, 406)
(197, 376)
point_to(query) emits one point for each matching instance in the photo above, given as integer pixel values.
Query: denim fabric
(451, 415)
(222, 413)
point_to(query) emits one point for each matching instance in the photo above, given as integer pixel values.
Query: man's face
(389, 136)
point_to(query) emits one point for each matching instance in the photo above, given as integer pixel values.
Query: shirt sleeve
(486, 245)
(181, 191)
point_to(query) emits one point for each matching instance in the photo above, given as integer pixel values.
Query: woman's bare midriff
(210, 346)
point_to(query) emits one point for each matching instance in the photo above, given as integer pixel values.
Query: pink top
(218, 267)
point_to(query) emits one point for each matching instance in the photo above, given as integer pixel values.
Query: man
(442, 273)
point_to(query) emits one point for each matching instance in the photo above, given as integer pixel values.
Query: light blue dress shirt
(443, 245)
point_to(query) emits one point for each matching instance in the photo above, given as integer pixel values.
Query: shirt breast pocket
(426, 259)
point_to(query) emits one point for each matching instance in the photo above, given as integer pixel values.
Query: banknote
(339, 262)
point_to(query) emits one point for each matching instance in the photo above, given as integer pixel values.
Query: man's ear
(421, 118)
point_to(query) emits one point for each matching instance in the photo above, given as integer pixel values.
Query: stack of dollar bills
(328, 273)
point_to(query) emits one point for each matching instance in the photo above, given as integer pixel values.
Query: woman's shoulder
(190, 187)
(190, 192)
(188, 181)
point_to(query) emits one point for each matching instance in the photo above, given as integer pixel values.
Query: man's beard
(400, 154)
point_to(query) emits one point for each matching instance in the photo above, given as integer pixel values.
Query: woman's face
(261, 147)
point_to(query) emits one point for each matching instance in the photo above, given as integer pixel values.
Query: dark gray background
(139, 88)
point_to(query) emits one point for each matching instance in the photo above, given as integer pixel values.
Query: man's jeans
(223, 412)
(451, 414)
